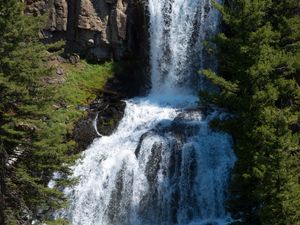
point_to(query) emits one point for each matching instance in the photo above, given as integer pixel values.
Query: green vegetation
(259, 57)
(80, 88)
(36, 118)
(82, 79)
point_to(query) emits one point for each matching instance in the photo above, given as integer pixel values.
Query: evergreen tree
(33, 143)
(259, 57)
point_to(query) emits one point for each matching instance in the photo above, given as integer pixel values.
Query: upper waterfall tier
(178, 29)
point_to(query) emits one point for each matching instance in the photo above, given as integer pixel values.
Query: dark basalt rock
(107, 112)
(84, 132)
(109, 117)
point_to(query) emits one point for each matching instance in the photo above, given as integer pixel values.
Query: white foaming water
(163, 165)
(178, 29)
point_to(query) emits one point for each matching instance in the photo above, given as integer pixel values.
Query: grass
(83, 80)
(79, 89)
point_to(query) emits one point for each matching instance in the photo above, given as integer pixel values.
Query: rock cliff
(97, 29)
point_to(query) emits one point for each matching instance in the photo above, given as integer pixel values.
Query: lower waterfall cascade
(163, 165)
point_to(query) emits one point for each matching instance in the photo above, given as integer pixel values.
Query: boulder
(84, 132)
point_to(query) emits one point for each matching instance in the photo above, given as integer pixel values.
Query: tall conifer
(33, 142)
(259, 59)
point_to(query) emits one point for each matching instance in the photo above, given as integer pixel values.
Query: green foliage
(56, 47)
(259, 59)
(84, 81)
(30, 159)
(35, 135)
(57, 222)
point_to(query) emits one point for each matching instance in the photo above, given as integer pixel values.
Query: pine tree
(259, 59)
(34, 144)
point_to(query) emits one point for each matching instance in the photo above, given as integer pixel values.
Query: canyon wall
(96, 29)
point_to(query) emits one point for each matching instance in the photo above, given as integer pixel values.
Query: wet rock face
(97, 29)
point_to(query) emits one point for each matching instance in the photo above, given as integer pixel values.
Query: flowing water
(163, 165)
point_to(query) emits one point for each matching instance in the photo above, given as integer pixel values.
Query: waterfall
(178, 29)
(163, 165)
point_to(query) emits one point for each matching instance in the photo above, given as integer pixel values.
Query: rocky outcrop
(97, 29)
(36, 7)
(103, 117)
(56, 9)
(105, 29)
(84, 132)
(58, 15)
